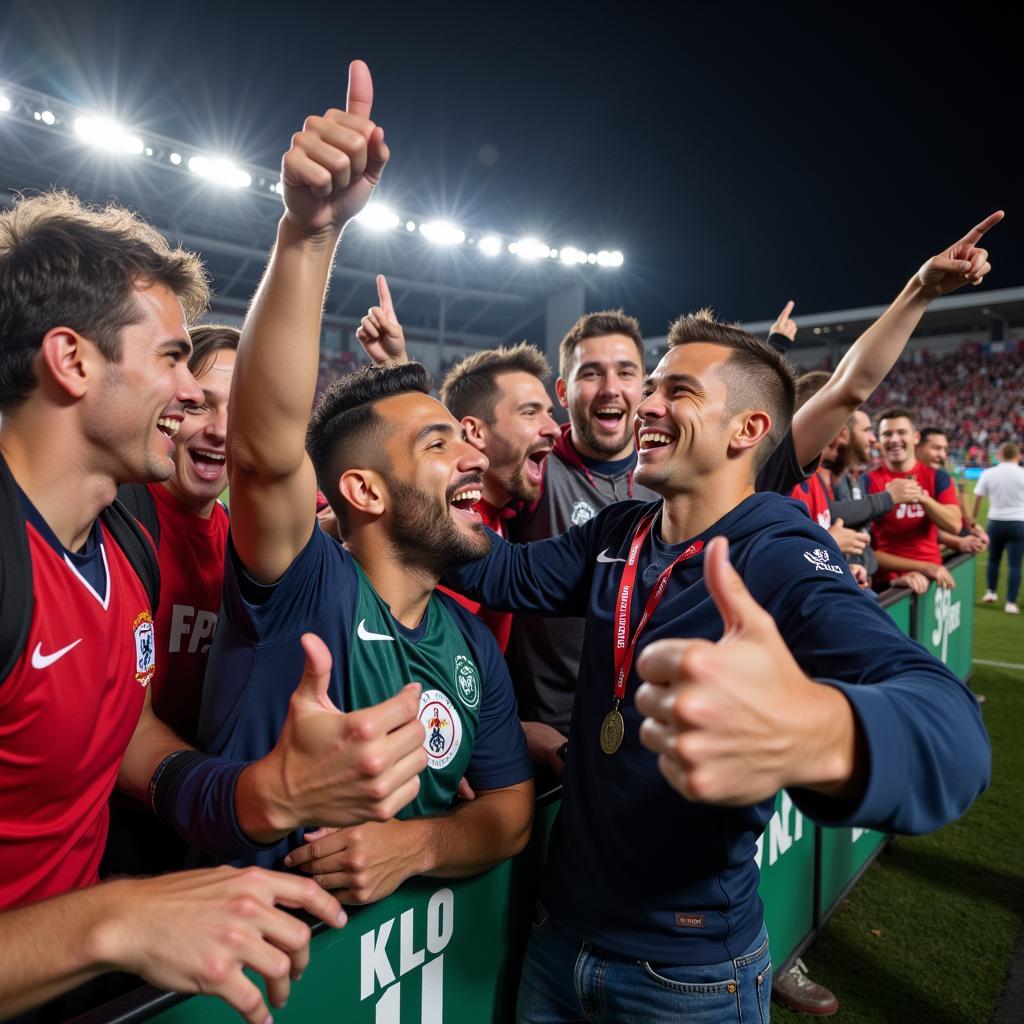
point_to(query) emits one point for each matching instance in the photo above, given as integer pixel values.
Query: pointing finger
(384, 295)
(978, 230)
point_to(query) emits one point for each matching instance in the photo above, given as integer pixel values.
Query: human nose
(549, 426)
(188, 388)
(472, 460)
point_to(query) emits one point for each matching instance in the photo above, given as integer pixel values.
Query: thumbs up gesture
(332, 768)
(733, 722)
(379, 332)
(335, 162)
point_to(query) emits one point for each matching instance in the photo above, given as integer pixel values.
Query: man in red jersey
(906, 538)
(93, 386)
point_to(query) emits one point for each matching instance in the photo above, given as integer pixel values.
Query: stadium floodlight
(104, 134)
(616, 259)
(490, 245)
(220, 171)
(47, 117)
(378, 217)
(531, 249)
(5, 103)
(570, 255)
(410, 225)
(175, 158)
(591, 257)
(442, 232)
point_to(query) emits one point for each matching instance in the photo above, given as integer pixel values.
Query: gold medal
(613, 728)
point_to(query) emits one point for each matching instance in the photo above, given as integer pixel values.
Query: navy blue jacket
(628, 853)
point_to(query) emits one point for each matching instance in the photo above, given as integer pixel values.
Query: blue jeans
(566, 981)
(1005, 534)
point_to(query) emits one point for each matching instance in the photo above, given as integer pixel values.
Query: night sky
(738, 155)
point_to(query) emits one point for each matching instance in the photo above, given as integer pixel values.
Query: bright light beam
(490, 245)
(220, 171)
(531, 249)
(378, 217)
(5, 103)
(442, 232)
(105, 134)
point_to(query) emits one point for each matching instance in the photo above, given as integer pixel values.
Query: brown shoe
(795, 990)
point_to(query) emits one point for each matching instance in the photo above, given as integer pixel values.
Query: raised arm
(328, 176)
(876, 351)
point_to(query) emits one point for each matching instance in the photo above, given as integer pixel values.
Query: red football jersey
(815, 495)
(499, 623)
(192, 551)
(906, 530)
(68, 709)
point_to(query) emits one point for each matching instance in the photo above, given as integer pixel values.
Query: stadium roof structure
(465, 292)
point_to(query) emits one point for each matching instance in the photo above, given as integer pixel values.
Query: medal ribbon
(623, 647)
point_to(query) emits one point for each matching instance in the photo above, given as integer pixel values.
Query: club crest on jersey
(444, 728)
(582, 512)
(145, 648)
(819, 558)
(467, 681)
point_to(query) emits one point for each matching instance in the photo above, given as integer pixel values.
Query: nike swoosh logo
(603, 557)
(364, 634)
(40, 660)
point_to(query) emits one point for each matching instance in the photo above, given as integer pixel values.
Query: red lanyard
(623, 649)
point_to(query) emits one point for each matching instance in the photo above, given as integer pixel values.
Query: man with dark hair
(499, 396)
(906, 539)
(94, 383)
(933, 450)
(649, 904)
(402, 480)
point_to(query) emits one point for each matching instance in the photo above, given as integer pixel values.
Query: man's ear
(364, 491)
(67, 360)
(561, 390)
(753, 429)
(476, 432)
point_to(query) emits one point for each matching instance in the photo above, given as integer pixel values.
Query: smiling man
(649, 906)
(402, 480)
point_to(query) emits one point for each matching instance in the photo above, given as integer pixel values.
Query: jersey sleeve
(551, 576)
(945, 489)
(928, 751)
(781, 473)
(500, 756)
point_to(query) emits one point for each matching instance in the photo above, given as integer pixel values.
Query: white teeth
(652, 437)
(467, 496)
(609, 411)
(170, 425)
(216, 456)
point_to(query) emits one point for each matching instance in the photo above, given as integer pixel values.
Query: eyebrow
(533, 405)
(675, 378)
(180, 345)
(433, 428)
(620, 364)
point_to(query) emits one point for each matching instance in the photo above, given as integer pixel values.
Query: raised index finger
(978, 230)
(360, 89)
(384, 295)
(786, 310)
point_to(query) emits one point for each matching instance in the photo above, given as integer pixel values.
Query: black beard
(425, 535)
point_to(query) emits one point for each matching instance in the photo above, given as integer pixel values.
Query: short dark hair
(598, 325)
(207, 341)
(1009, 450)
(345, 422)
(63, 263)
(896, 412)
(470, 388)
(927, 432)
(809, 384)
(757, 375)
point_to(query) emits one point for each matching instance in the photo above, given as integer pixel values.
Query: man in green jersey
(401, 479)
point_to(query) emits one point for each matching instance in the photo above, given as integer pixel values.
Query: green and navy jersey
(467, 705)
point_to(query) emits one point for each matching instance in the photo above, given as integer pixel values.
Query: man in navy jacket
(650, 908)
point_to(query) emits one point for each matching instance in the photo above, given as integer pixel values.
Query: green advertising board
(785, 855)
(945, 618)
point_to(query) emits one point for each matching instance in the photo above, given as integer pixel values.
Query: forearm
(856, 512)
(49, 947)
(945, 517)
(278, 355)
(976, 511)
(859, 372)
(897, 563)
(150, 744)
(475, 835)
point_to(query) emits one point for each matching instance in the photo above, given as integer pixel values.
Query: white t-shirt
(1003, 485)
